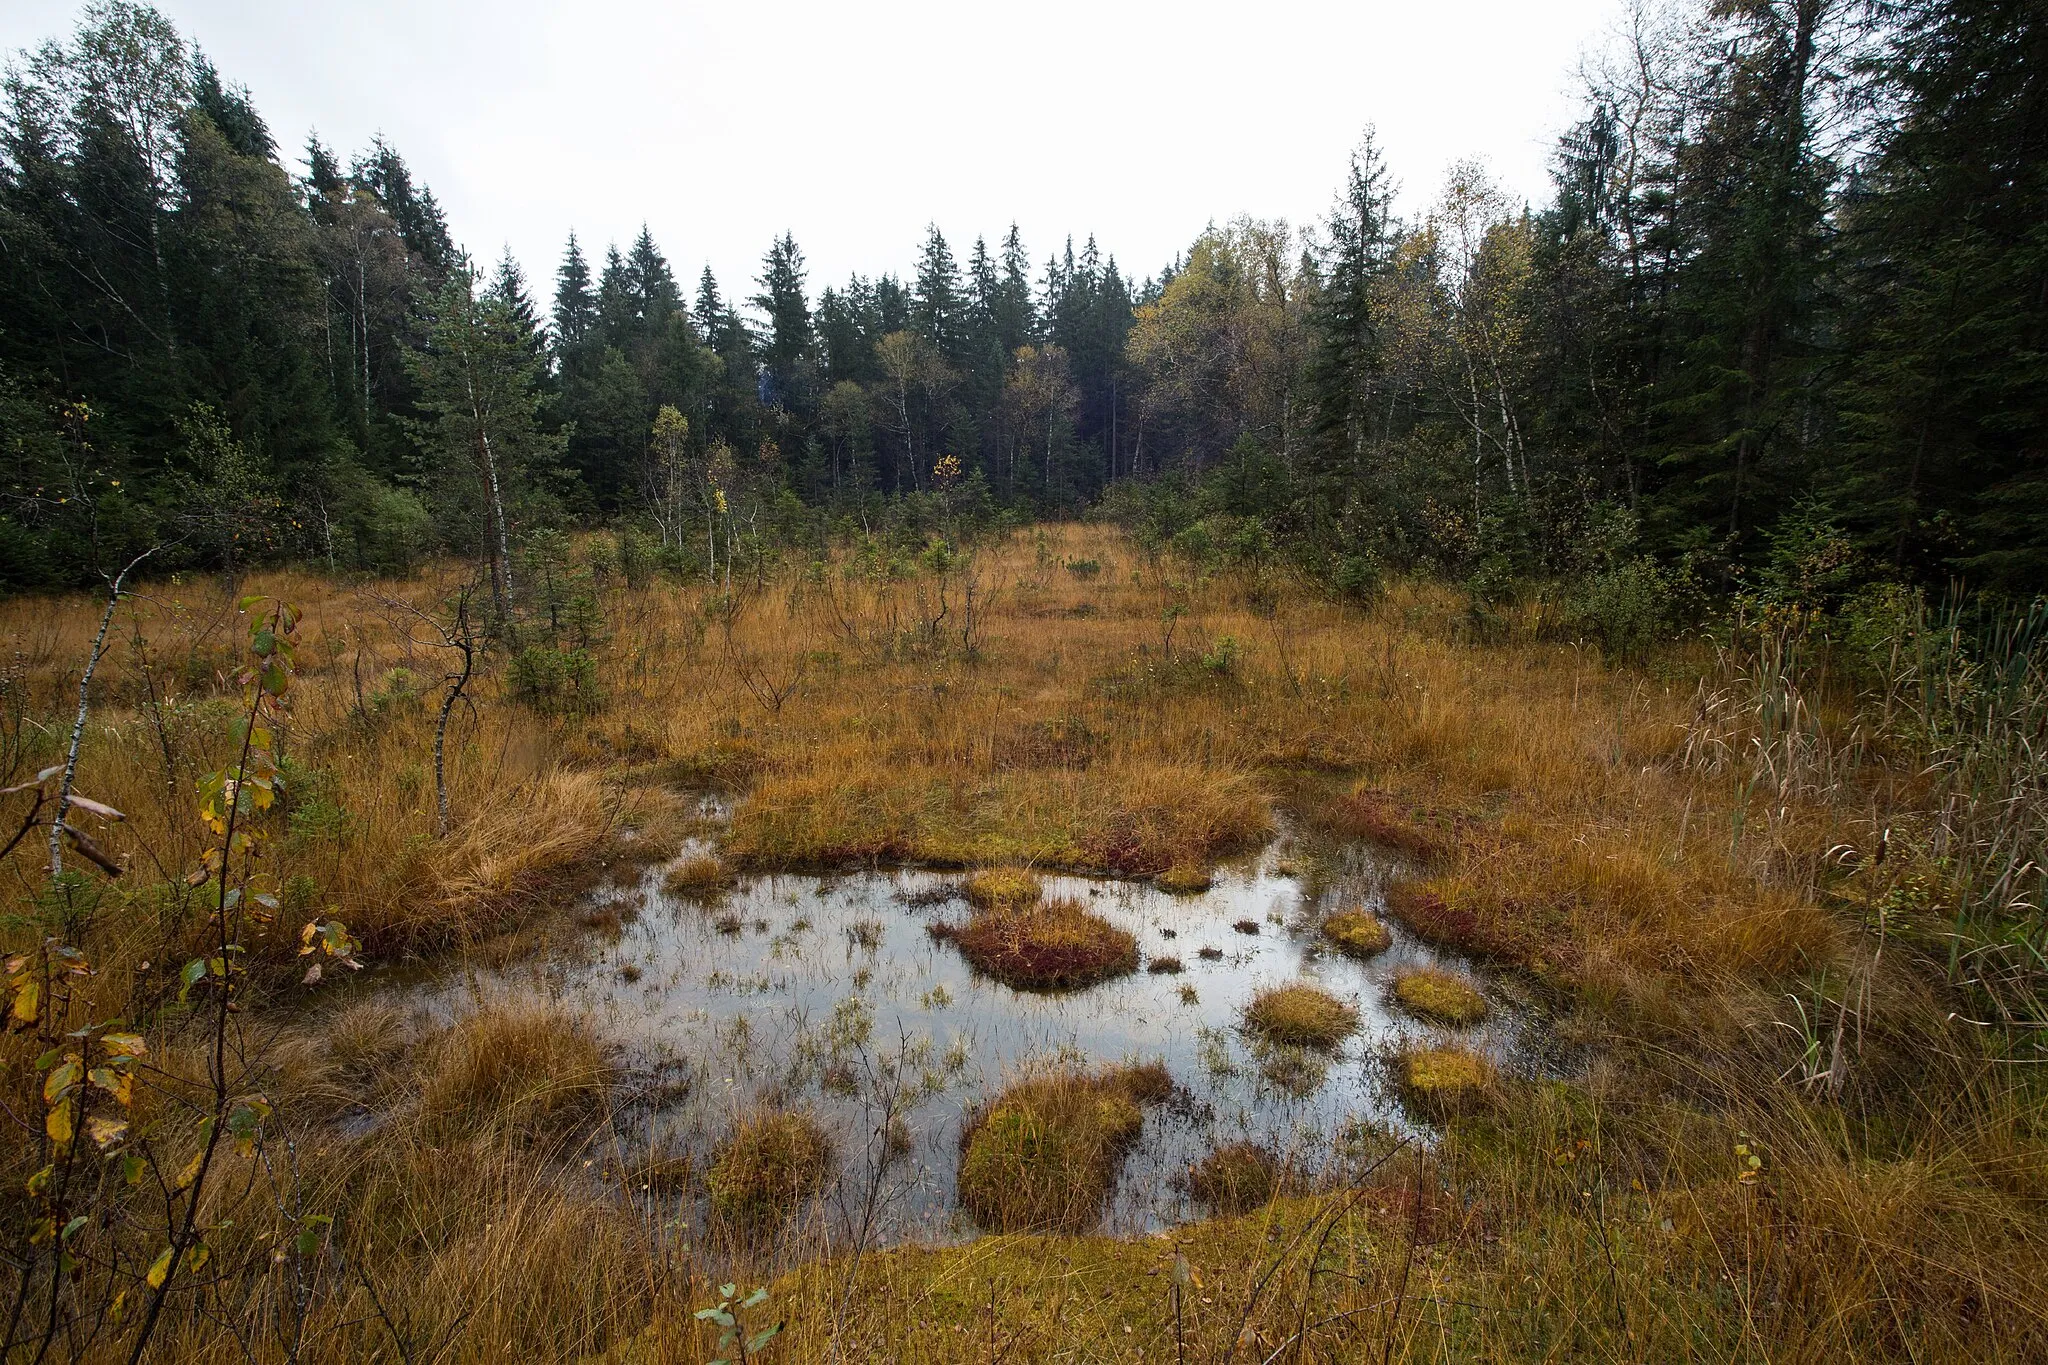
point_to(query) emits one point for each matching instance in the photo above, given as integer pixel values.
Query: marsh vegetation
(665, 999)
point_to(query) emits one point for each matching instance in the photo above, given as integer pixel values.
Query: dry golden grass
(1003, 888)
(1300, 1015)
(523, 1066)
(1045, 1152)
(1445, 997)
(774, 1161)
(1546, 797)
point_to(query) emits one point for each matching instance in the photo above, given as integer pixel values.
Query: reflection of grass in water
(1045, 1152)
(1294, 1070)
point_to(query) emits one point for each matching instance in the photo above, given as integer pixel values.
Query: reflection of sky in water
(744, 1000)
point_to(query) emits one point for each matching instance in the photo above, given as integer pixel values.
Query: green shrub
(1626, 607)
(555, 682)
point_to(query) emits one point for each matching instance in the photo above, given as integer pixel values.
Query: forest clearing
(1720, 1105)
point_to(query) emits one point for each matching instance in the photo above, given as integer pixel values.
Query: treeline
(1780, 329)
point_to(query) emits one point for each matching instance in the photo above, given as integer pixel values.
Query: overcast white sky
(853, 125)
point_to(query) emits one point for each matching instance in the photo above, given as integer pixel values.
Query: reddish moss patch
(1376, 816)
(1050, 946)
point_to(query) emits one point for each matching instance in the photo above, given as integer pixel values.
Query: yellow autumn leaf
(159, 1269)
(28, 1003)
(59, 1125)
(62, 1077)
(124, 1045)
(191, 1171)
(119, 1084)
(105, 1132)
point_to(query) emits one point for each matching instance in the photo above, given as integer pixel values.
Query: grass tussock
(1443, 1080)
(517, 1066)
(774, 1160)
(1357, 933)
(1235, 1178)
(1185, 879)
(1057, 945)
(702, 878)
(1044, 1153)
(1300, 1015)
(1003, 888)
(1439, 996)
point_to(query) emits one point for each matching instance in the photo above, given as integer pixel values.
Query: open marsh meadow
(1052, 951)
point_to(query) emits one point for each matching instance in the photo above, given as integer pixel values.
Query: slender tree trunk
(92, 663)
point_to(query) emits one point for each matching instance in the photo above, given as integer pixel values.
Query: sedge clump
(1357, 933)
(701, 878)
(1185, 879)
(1235, 1178)
(1443, 1080)
(1444, 997)
(1058, 945)
(1045, 1153)
(1300, 1015)
(774, 1159)
(1003, 888)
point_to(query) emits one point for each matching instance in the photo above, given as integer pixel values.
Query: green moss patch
(1357, 933)
(1300, 1015)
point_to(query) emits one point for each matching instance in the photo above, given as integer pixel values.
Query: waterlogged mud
(831, 993)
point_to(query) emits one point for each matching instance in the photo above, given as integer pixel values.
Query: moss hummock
(1357, 933)
(1044, 1154)
(1445, 997)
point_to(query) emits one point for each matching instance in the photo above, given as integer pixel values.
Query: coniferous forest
(1787, 298)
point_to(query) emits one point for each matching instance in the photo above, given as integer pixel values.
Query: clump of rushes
(1300, 1015)
(775, 1159)
(524, 1067)
(1003, 888)
(1051, 946)
(700, 878)
(1163, 966)
(1045, 1153)
(1442, 996)
(1185, 879)
(1235, 1178)
(1443, 1080)
(1357, 933)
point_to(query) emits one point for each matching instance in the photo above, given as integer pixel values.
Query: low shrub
(1051, 946)
(1445, 997)
(555, 682)
(1357, 933)
(1300, 1015)
(774, 1159)
(1045, 1153)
